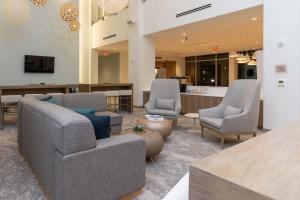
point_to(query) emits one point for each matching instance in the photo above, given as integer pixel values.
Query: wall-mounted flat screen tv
(39, 64)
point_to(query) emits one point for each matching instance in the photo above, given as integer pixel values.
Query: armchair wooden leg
(202, 131)
(2, 117)
(222, 141)
(238, 137)
(254, 135)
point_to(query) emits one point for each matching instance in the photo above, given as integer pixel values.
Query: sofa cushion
(115, 118)
(166, 104)
(85, 100)
(230, 110)
(49, 99)
(84, 111)
(101, 125)
(214, 122)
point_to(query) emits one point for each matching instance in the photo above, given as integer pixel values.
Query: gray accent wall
(109, 68)
(37, 31)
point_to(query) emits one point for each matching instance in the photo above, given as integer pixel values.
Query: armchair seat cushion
(162, 112)
(214, 122)
(115, 118)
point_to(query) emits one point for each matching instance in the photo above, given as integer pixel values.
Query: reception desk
(192, 102)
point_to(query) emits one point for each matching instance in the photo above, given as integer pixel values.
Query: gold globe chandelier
(39, 2)
(74, 25)
(69, 12)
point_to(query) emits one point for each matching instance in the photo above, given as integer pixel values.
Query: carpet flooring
(180, 149)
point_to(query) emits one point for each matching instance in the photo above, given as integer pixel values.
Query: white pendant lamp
(113, 6)
(252, 63)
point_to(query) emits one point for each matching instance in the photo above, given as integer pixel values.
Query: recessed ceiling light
(256, 42)
(174, 48)
(114, 48)
(254, 18)
(184, 34)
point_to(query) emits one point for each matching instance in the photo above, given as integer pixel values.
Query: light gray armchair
(164, 99)
(238, 112)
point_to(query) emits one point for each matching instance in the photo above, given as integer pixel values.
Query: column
(88, 57)
(281, 52)
(141, 62)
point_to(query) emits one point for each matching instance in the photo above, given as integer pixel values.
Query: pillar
(141, 50)
(281, 49)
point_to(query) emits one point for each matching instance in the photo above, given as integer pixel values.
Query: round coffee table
(194, 116)
(154, 142)
(163, 127)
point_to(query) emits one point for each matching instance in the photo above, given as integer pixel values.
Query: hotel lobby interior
(149, 100)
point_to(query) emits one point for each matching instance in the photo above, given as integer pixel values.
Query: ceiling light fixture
(69, 12)
(74, 25)
(39, 2)
(254, 18)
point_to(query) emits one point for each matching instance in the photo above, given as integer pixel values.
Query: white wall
(161, 15)
(113, 25)
(42, 33)
(109, 68)
(281, 23)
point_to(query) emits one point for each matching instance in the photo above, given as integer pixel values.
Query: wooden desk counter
(262, 168)
(35, 89)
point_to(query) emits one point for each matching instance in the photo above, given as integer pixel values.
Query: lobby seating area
(149, 100)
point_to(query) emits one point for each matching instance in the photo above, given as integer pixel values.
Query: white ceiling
(235, 31)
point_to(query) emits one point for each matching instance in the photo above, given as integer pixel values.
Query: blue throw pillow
(84, 111)
(49, 99)
(101, 125)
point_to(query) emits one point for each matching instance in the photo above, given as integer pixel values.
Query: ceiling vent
(194, 10)
(110, 36)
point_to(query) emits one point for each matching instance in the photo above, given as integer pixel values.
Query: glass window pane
(206, 73)
(223, 72)
(247, 71)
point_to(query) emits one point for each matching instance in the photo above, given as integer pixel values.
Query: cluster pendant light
(244, 58)
(39, 2)
(69, 13)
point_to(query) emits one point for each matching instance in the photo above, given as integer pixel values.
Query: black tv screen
(39, 64)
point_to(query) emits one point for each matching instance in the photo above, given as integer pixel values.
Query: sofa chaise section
(70, 164)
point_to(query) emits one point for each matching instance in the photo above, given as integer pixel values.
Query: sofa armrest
(237, 124)
(113, 169)
(214, 112)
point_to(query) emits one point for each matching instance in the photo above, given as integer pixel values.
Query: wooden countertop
(267, 165)
(37, 86)
(109, 84)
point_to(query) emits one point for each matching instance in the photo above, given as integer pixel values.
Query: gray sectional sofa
(70, 164)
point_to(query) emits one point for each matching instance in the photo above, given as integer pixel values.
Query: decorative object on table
(113, 6)
(39, 2)
(138, 129)
(164, 127)
(69, 13)
(155, 118)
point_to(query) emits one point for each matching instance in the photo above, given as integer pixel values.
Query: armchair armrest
(214, 112)
(236, 124)
(113, 169)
